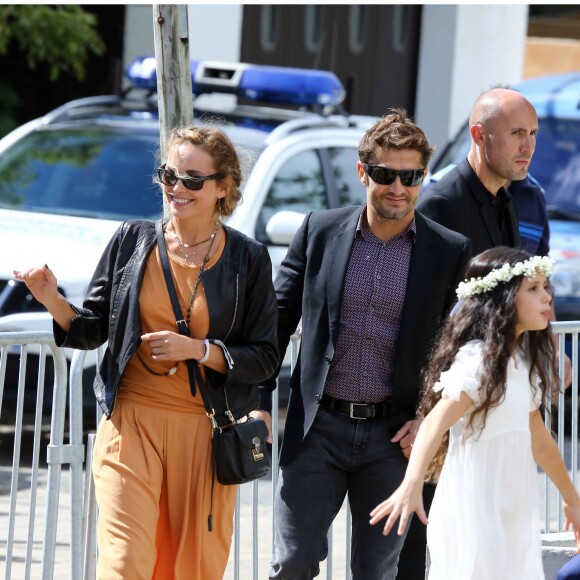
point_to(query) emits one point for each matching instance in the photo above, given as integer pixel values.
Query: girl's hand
(573, 519)
(408, 498)
(267, 418)
(41, 282)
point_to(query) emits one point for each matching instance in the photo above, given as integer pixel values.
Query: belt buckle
(351, 410)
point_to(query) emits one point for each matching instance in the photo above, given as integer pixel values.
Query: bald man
(472, 198)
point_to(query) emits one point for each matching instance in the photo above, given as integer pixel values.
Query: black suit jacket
(458, 202)
(309, 286)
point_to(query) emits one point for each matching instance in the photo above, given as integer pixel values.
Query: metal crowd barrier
(251, 520)
(16, 547)
(19, 537)
(553, 519)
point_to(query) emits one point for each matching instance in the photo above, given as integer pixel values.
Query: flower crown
(529, 269)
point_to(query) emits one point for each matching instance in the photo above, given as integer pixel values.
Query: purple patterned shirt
(361, 370)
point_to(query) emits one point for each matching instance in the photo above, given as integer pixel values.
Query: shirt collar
(362, 228)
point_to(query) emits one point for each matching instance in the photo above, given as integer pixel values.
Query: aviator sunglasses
(170, 177)
(386, 176)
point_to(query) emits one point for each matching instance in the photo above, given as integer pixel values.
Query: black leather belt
(356, 410)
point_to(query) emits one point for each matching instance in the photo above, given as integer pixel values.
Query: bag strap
(195, 376)
(192, 365)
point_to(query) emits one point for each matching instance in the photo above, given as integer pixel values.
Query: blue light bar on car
(301, 87)
(141, 73)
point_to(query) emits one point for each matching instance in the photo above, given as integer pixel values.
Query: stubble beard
(507, 171)
(518, 174)
(393, 214)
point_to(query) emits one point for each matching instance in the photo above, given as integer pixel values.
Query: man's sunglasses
(386, 176)
(170, 177)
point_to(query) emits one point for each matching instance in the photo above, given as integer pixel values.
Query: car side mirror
(282, 226)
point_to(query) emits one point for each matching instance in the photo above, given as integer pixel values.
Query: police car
(69, 178)
(556, 166)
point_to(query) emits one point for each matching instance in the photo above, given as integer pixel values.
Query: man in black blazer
(472, 199)
(371, 286)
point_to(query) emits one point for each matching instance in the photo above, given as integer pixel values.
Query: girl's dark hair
(491, 318)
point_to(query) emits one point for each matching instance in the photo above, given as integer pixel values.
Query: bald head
(503, 126)
(495, 104)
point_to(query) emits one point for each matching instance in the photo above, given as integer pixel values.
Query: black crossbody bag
(239, 448)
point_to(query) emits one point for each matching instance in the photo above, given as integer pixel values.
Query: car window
(349, 189)
(556, 163)
(94, 173)
(456, 151)
(298, 186)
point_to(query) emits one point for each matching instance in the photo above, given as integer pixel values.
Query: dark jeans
(338, 456)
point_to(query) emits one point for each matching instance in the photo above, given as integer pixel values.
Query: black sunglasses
(386, 176)
(170, 177)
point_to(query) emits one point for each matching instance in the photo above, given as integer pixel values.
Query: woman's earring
(220, 208)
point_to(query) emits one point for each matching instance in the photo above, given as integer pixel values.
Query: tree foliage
(59, 36)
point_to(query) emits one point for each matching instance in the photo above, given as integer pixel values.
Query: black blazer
(309, 286)
(459, 202)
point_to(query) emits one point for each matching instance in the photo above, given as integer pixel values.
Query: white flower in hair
(529, 269)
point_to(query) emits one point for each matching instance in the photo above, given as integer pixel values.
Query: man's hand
(405, 436)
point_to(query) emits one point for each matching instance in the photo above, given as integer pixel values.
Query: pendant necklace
(197, 245)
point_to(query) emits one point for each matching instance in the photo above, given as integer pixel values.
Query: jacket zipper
(229, 414)
(235, 307)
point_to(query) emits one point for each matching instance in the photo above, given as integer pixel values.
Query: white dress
(484, 521)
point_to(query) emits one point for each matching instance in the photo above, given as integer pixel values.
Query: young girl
(484, 391)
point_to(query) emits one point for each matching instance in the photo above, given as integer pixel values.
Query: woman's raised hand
(41, 282)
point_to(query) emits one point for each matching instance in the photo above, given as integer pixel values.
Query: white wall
(138, 34)
(215, 32)
(465, 50)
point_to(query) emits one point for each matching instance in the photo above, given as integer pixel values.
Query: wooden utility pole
(171, 36)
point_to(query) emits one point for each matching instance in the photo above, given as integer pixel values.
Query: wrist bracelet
(206, 352)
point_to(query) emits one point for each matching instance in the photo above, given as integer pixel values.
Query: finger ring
(157, 350)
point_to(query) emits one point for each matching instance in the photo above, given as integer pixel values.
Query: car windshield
(92, 172)
(555, 164)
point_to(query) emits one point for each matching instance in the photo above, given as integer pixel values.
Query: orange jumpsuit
(152, 459)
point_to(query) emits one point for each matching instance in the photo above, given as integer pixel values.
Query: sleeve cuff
(265, 399)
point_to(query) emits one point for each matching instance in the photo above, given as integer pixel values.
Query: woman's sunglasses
(170, 177)
(386, 176)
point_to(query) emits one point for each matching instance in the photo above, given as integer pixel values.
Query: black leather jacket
(242, 310)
